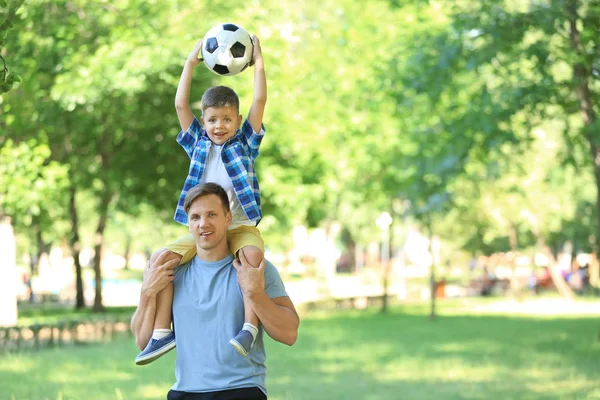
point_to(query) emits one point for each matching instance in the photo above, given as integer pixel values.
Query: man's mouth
(207, 233)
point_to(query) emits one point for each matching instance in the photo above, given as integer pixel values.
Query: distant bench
(64, 333)
(350, 302)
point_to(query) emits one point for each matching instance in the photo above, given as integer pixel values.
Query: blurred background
(431, 172)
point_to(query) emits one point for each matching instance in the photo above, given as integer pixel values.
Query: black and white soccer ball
(227, 49)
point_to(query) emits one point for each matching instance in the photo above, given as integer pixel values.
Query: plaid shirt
(238, 155)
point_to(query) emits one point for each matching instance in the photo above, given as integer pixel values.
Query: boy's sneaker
(155, 349)
(242, 342)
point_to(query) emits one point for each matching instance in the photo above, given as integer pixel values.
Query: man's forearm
(142, 322)
(280, 322)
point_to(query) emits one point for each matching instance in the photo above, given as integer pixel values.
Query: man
(208, 307)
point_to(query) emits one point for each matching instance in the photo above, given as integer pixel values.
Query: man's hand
(250, 279)
(195, 56)
(160, 272)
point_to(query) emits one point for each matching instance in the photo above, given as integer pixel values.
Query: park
(427, 190)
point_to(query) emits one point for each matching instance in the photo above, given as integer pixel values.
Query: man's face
(221, 123)
(208, 222)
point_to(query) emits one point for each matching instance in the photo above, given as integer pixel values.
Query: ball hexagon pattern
(227, 49)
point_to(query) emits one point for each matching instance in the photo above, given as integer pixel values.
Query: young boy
(220, 152)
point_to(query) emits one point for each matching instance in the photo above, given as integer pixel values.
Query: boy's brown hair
(220, 96)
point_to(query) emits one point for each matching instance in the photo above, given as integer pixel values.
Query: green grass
(37, 314)
(354, 355)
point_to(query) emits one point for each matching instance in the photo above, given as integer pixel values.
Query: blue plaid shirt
(238, 155)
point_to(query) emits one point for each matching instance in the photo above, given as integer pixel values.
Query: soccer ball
(227, 49)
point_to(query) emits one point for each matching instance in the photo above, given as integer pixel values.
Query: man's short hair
(220, 96)
(205, 189)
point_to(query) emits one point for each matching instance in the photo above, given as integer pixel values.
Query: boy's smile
(221, 123)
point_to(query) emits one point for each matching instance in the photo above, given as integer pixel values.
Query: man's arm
(278, 315)
(142, 322)
(255, 115)
(182, 97)
(158, 273)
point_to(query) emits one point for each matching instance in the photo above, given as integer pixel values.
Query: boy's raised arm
(255, 115)
(182, 97)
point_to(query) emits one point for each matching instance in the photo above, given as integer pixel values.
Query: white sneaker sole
(148, 358)
(238, 347)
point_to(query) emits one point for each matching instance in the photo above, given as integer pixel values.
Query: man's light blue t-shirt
(208, 310)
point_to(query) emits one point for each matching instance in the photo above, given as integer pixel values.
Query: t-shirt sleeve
(188, 139)
(273, 284)
(253, 138)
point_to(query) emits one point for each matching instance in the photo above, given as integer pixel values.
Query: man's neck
(213, 254)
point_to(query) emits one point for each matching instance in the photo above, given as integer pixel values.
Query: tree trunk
(36, 255)
(385, 282)
(594, 270)
(33, 261)
(558, 280)
(75, 247)
(42, 247)
(387, 268)
(127, 250)
(514, 248)
(99, 242)
(555, 269)
(350, 246)
(432, 313)
(581, 77)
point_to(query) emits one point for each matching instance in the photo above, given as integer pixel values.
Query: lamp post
(384, 221)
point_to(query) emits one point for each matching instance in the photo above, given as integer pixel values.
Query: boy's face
(221, 123)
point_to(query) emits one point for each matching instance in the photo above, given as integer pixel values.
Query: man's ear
(229, 218)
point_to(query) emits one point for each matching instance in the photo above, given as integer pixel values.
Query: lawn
(354, 355)
(37, 314)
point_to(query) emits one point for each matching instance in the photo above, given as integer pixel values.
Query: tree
(8, 11)
(96, 147)
(500, 71)
(104, 94)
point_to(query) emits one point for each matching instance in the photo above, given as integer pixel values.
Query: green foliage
(8, 16)
(31, 185)
(434, 106)
(480, 83)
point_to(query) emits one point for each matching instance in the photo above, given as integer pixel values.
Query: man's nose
(202, 222)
